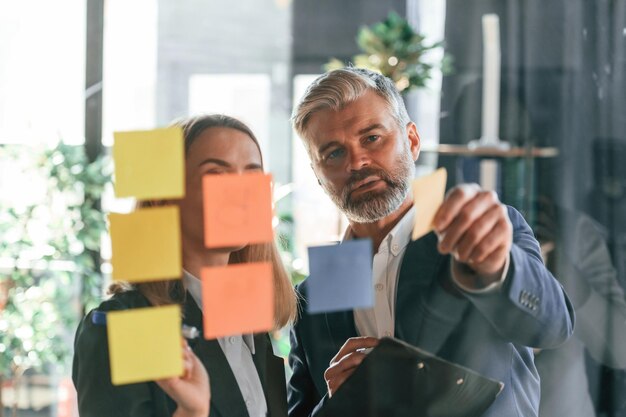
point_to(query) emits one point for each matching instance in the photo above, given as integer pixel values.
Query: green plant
(284, 229)
(82, 182)
(50, 228)
(394, 49)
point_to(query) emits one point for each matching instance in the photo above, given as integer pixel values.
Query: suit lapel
(331, 330)
(341, 327)
(325, 333)
(426, 314)
(226, 398)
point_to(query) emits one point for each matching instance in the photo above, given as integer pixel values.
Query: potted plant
(394, 49)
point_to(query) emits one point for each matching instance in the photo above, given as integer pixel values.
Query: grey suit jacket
(489, 333)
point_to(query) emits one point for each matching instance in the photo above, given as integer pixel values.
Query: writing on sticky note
(428, 194)
(149, 164)
(144, 344)
(340, 277)
(237, 209)
(146, 244)
(237, 299)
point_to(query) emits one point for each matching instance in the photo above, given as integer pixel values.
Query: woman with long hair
(246, 378)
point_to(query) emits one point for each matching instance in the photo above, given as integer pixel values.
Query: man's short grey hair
(338, 88)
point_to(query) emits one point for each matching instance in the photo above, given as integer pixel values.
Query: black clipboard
(400, 380)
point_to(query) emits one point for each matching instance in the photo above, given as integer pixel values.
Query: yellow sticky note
(144, 344)
(149, 164)
(146, 244)
(428, 195)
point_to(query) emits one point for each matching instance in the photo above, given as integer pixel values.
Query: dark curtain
(563, 85)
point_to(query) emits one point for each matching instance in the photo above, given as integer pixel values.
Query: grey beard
(375, 205)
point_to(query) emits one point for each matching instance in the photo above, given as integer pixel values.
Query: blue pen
(100, 318)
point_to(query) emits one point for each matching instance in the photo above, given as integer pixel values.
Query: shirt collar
(401, 233)
(397, 239)
(194, 287)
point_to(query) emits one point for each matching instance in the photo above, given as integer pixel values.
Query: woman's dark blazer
(97, 397)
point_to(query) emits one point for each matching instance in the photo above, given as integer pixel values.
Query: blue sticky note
(340, 277)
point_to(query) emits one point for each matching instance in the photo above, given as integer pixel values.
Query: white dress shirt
(379, 321)
(238, 350)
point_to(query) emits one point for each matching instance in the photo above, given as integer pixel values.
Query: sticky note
(149, 164)
(428, 194)
(144, 344)
(146, 244)
(340, 277)
(237, 209)
(237, 299)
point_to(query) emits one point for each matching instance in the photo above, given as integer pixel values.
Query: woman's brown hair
(172, 291)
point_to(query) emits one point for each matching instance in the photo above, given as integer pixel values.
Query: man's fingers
(492, 259)
(334, 384)
(468, 214)
(500, 236)
(476, 233)
(349, 361)
(454, 201)
(339, 371)
(492, 263)
(353, 344)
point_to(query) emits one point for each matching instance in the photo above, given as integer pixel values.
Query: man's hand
(346, 360)
(474, 227)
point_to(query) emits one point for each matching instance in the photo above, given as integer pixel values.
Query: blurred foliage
(49, 249)
(285, 235)
(285, 232)
(394, 49)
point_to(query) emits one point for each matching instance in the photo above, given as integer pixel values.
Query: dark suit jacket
(489, 333)
(97, 397)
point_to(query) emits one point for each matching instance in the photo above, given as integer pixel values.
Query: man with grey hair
(474, 292)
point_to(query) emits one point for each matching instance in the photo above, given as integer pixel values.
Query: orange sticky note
(237, 209)
(146, 245)
(428, 195)
(237, 299)
(149, 164)
(144, 344)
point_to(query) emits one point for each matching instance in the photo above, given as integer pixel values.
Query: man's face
(362, 158)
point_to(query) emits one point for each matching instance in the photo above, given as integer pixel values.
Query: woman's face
(217, 150)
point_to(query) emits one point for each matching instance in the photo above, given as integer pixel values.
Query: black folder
(400, 380)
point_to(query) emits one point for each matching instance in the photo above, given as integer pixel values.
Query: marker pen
(100, 318)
